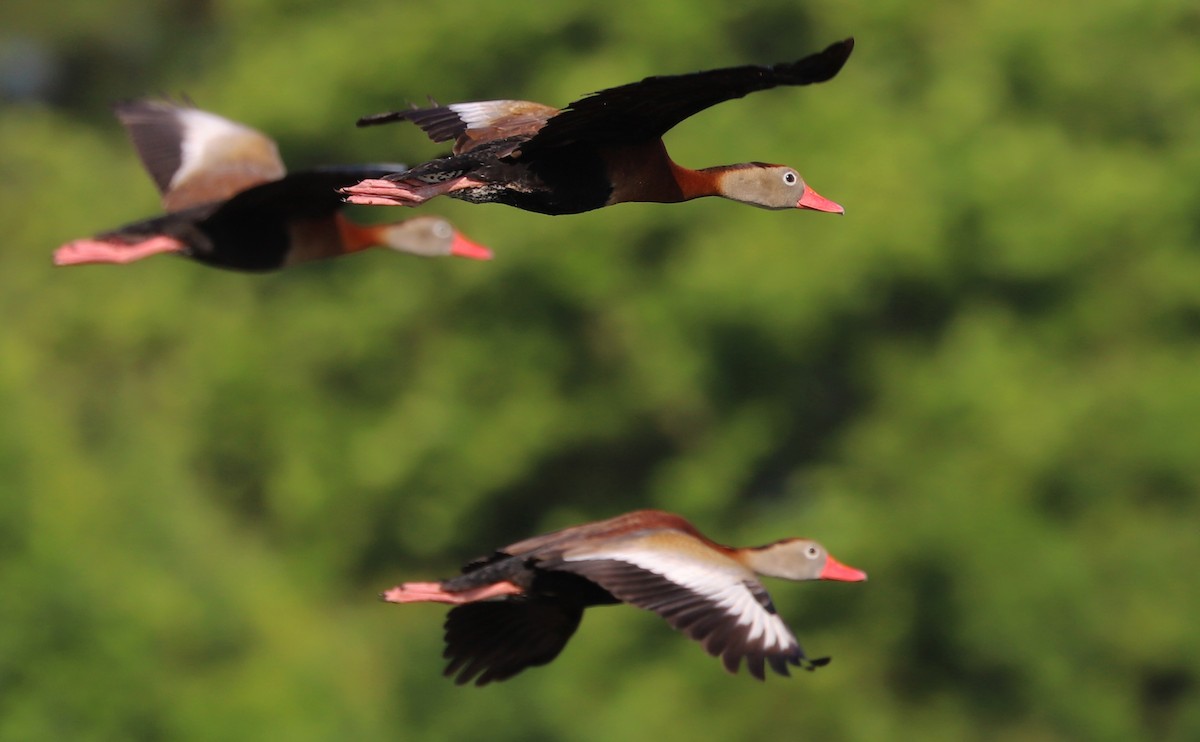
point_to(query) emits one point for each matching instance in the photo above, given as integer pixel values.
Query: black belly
(252, 231)
(557, 181)
(214, 238)
(255, 245)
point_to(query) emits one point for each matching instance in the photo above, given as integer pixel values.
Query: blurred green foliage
(981, 385)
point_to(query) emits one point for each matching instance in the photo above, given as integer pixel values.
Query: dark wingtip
(754, 665)
(818, 67)
(779, 663)
(127, 106)
(840, 48)
(380, 118)
(836, 55)
(813, 664)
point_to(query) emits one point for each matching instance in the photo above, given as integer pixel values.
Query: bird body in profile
(601, 150)
(230, 202)
(518, 607)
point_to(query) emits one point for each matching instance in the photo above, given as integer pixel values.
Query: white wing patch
(481, 114)
(212, 143)
(717, 579)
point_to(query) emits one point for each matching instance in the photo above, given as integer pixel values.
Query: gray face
(791, 559)
(766, 186)
(425, 235)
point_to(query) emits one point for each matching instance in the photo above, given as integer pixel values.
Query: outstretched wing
(194, 156)
(472, 124)
(646, 110)
(494, 640)
(721, 606)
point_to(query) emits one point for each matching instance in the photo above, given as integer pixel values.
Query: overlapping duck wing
(304, 194)
(197, 157)
(472, 124)
(644, 111)
(494, 640)
(722, 606)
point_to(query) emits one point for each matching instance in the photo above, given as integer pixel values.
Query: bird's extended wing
(646, 110)
(472, 124)
(494, 640)
(194, 156)
(729, 614)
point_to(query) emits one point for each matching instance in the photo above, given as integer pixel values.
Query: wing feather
(197, 157)
(494, 640)
(472, 124)
(645, 110)
(723, 611)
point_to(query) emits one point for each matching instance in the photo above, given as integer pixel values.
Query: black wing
(440, 123)
(494, 640)
(646, 110)
(306, 193)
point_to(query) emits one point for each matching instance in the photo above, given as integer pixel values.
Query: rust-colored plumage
(230, 202)
(603, 149)
(518, 607)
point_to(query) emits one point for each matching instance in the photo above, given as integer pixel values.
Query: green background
(982, 385)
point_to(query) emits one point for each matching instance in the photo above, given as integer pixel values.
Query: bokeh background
(982, 385)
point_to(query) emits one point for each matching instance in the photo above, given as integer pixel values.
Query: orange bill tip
(835, 570)
(464, 248)
(810, 199)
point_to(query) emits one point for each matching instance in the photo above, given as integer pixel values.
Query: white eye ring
(789, 178)
(442, 230)
(812, 552)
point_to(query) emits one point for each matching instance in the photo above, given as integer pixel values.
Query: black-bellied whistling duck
(517, 608)
(600, 150)
(230, 203)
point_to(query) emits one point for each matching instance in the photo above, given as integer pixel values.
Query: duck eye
(812, 552)
(442, 230)
(789, 178)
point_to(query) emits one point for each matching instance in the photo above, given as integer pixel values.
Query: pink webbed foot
(380, 192)
(432, 592)
(80, 252)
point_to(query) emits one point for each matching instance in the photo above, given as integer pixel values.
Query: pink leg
(84, 251)
(379, 192)
(432, 592)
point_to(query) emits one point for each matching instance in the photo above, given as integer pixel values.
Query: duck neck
(698, 183)
(645, 173)
(356, 237)
(764, 560)
(317, 239)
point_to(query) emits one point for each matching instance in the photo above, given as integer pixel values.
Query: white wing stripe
(721, 584)
(209, 140)
(480, 113)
